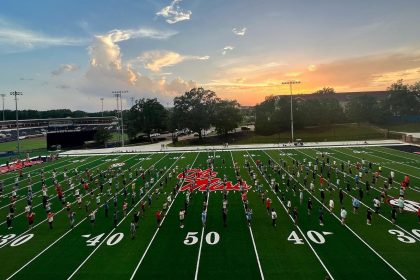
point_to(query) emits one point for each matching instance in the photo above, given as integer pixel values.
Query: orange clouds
(249, 84)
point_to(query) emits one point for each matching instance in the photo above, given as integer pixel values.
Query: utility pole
(15, 94)
(2, 97)
(102, 100)
(118, 95)
(290, 83)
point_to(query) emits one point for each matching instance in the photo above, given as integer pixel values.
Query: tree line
(324, 108)
(196, 110)
(48, 114)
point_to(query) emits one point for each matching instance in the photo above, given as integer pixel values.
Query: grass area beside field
(25, 144)
(342, 132)
(405, 127)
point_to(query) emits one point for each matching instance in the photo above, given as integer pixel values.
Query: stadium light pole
(15, 94)
(290, 83)
(102, 101)
(118, 94)
(2, 97)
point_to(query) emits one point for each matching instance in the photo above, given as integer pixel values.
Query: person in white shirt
(274, 217)
(343, 215)
(331, 205)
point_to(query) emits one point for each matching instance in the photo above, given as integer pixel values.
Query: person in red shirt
(158, 217)
(321, 181)
(406, 180)
(31, 217)
(244, 197)
(267, 205)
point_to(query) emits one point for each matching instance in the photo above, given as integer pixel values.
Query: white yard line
(48, 188)
(23, 187)
(397, 162)
(361, 202)
(43, 251)
(414, 189)
(252, 235)
(156, 232)
(109, 234)
(334, 215)
(42, 221)
(396, 155)
(300, 230)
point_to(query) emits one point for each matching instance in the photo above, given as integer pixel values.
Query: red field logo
(198, 179)
(409, 205)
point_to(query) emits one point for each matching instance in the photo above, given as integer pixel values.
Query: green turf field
(214, 250)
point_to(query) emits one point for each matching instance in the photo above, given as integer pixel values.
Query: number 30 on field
(212, 238)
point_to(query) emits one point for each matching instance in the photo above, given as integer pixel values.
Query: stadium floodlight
(2, 97)
(118, 95)
(102, 101)
(15, 94)
(290, 83)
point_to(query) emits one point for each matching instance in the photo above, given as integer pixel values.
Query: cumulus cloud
(239, 31)
(173, 13)
(15, 38)
(65, 68)
(108, 71)
(156, 60)
(227, 49)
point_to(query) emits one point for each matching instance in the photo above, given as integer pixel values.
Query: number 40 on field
(314, 236)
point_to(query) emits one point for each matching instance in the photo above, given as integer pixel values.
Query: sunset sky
(69, 54)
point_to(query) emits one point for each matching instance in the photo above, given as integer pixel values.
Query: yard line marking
(377, 164)
(49, 246)
(361, 202)
(40, 166)
(252, 237)
(202, 230)
(392, 161)
(50, 187)
(334, 215)
(300, 230)
(157, 230)
(58, 238)
(42, 221)
(199, 252)
(395, 155)
(109, 234)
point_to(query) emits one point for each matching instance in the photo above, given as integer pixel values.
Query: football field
(307, 241)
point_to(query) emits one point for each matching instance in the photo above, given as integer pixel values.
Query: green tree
(146, 116)
(195, 110)
(102, 136)
(227, 116)
(363, 108)
(325, 91)
(403, 99)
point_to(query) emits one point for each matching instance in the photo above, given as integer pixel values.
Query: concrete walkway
(157, 147)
